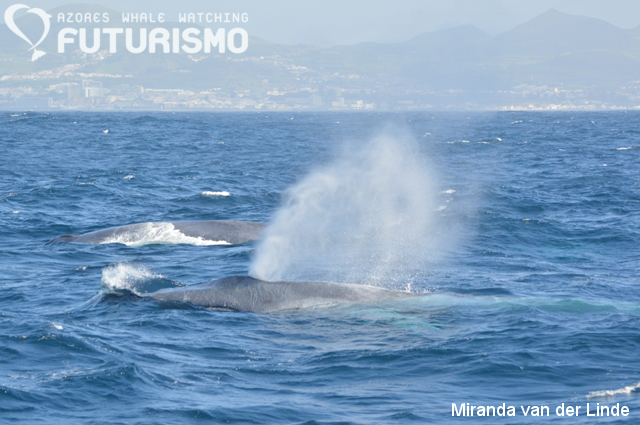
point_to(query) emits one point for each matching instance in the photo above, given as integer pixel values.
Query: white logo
(8, 19)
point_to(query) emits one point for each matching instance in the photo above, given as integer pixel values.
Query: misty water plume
(371, 215)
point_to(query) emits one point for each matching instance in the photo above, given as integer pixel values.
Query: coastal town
(71, 87)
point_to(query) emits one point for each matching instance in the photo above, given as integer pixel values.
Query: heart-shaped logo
(46, 19)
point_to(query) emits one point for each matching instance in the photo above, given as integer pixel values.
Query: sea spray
(158, 233)
(368, 216)
(127, 277)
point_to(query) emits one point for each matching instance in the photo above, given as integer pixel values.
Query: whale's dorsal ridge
(213, 232)
(245, 293)
(62, 239)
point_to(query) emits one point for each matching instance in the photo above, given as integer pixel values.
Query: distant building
(339, 103)
(316, 101)
(92, 88)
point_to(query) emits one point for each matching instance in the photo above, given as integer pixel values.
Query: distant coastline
(555, 61)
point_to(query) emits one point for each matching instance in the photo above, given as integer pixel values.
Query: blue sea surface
(536, 301)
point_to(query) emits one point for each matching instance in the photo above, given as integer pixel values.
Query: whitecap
(105, 131)
(129, 177)
(624, 149)
(612, 393)
(15, 212)
(209, 193)
(56, 326)
(119, 276)
(449, 191)
(158, 233)
(465, 141)
(136, 278)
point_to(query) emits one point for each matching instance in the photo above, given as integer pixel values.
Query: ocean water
(529, 279)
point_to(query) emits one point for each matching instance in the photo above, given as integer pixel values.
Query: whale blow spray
(368, 216)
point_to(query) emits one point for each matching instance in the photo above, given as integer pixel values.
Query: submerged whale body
(244, 293)
(217, 232)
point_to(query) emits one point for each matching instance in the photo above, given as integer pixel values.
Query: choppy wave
(612, 393)
(158, 233)
(136, 278)
(209, 193)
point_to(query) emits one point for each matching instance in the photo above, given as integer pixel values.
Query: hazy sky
(330, 22)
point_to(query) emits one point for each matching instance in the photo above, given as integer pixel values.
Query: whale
(247, 294)
(216, 232)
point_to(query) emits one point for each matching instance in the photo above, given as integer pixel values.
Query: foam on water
(368, 217)
(136, 278)
(119, 276)
(612, 393)
(158, 233)
(209, 193)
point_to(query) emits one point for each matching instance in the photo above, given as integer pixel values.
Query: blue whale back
(244, 293)
(189, 232)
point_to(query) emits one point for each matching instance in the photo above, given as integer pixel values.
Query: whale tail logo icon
(46, 19)
(37, 54)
